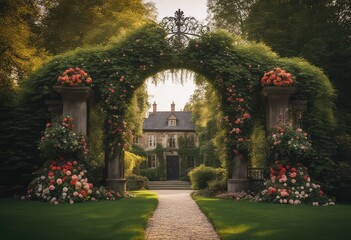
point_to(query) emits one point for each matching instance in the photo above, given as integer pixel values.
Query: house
(170, 141)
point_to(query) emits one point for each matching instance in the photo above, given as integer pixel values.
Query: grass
(247, 220)
(121, 219)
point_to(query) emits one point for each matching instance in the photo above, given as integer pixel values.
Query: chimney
(154, 107)
(172, 106)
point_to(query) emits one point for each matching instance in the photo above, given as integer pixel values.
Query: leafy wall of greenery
(227, 63)
(184, 151)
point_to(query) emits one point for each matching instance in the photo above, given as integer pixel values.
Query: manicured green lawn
(121, 219)
(247, 220)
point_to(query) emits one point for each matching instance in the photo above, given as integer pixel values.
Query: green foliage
(150, 173)
(184, 151)
(257, 147)
(96, 135)
(202, 175)
(136, 182)
(218, 186)
(59, 140)
(132, 163)
(89, 22)
(289, 146)
(161, 169)
(208, 123)
(233, 68)
(20, 52)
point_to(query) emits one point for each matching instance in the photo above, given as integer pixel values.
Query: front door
(172, 167)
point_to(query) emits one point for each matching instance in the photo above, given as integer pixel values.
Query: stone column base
(117, 185)
(238, 185)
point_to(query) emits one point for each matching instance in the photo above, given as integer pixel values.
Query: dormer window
(172, 122)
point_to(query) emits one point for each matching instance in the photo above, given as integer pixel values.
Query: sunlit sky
(165, 94)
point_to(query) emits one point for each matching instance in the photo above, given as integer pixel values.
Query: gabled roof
(158, 121)
(172, 116)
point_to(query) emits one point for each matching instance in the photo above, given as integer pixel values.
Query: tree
(19, 52)
(230, 14)
(203, 104)
(318, 31)
(68, 24)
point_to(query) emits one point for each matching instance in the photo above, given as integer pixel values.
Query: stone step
(169, 185)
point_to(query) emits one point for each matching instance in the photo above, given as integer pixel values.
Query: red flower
(48, 125)
(50, 174)
(84, 193)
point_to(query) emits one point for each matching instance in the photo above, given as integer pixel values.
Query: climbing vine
(234, 69)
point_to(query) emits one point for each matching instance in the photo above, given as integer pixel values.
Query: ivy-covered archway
(233, 67)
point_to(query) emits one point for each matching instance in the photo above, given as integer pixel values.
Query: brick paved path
(177, 216)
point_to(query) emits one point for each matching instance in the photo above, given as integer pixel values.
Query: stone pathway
(177, 216)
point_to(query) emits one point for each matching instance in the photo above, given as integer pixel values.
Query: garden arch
(233, 67)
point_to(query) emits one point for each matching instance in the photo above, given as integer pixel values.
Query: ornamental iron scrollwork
(181, 29)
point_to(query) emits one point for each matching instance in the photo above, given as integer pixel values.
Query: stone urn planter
(75, 105)
(277, 103)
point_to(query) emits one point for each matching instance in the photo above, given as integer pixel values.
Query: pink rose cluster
(74, 77)
(277, 77)
(62, 181)
(291, 185)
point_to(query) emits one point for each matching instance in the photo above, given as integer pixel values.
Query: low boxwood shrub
(136, 182)
(202, 175)
(151, 174)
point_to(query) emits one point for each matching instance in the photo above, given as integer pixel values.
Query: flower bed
(63, 176)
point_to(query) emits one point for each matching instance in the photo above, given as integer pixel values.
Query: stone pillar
(277, 105)
(298, 108)
(239, 181)
(75, 105)
(115, 174)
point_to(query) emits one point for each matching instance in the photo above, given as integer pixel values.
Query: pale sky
(165, 94)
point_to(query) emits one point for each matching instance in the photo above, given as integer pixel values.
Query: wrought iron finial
(181, 29)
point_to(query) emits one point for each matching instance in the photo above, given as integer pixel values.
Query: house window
(171, 141)
(136, 139)
(152, 141)
(172, 122)
(151, 160)
(191, 161)
(191, 141)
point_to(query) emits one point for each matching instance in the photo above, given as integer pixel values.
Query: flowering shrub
(277, 77)
(240, 196)
(60, 140)
(63, 176)
(74, 77)
(289, 146)
(291, 184)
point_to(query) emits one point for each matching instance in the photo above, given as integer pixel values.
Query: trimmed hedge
(201, 176)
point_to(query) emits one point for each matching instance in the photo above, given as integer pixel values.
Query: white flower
(297, 193)
(42, 177)
(56, 202)
(307, 185)
(64, 194)
(285, 184)
(302, 187)
(306, 195)
(303, 193)
(65, 189)
(23, 198)
(315, 203)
